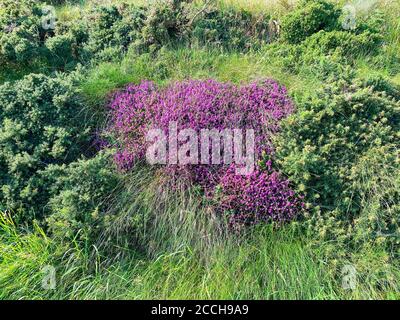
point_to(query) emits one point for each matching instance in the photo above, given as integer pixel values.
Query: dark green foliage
(314, 34)
(114, 29)
(166, 22)
(102, 21)
(23, 39)
(61, 50)
(65, 49)
(42, 122)
(61, 2)
(308, 18)
(323, 52)
(21, 31)
(332, 129)
(341, 149)
(232, 29)
(348, 44)
(85, 189)
(107, 32)
(44, 132)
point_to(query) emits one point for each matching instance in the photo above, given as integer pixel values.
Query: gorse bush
(348, 44)
(314, 33)
(311, 17)
(41, 124)
(232, 29)
(21, 34)
(31, 35)
(105, 33)
(338, 140)
(308, 18)
(113, 28)
(166, 22)
(24, 39)
(324, 53)
(207, 105)
(78, 208)
(180, 21)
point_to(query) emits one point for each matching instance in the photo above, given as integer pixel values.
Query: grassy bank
(270, 264)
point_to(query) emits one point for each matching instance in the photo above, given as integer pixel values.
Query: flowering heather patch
(259, 197)
(196, 105)
(133, 111)
(210, 105)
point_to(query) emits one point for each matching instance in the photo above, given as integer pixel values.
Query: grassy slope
(270, 264)
(188, 260)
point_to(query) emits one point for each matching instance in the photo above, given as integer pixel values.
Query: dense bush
(207, 105)
(24, 40)
(105, 33)
(313, 34)
(324, 53)
(166, 22)
(84, 192)
(41, 124)
(113, 27)
(180, 21)
(341, 148)
(231, 29)
(21, 31)
(348, 44)
(308, 18)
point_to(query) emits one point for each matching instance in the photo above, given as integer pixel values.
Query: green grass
(269, 264)
(177, 64)
(177, 251)
(276, 7)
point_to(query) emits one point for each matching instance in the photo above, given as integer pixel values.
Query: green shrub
(341, 149)
(324, 52)
(348, 44)
(61, 49)
(309, 17)
(42, 123)
(113, 29)
(101, 27)
(297, 59)
(66, 48)
(166, 22)
(24, 40)
(85, 187)
(231, 29)
(21, 31)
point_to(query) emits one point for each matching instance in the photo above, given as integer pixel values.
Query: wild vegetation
(83, 81)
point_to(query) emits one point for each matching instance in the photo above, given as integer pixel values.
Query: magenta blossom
(209, 104)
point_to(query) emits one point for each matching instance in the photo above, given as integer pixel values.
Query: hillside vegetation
(81, 82)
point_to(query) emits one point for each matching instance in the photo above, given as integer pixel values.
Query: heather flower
(210, 105)
(259, 197)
